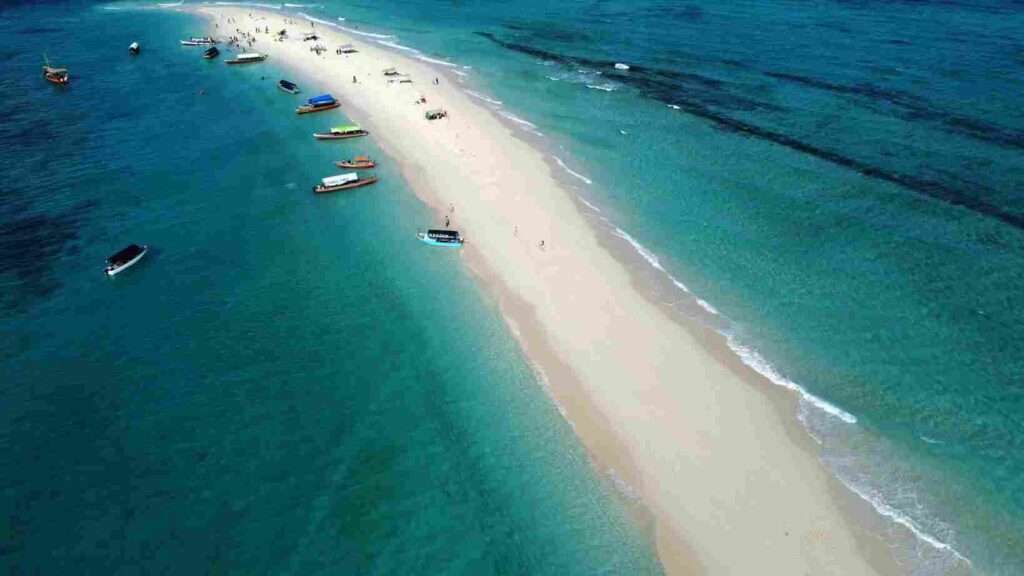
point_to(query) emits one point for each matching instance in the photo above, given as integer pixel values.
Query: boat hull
(431, 242)
(321, 189)
(356, 165)
(112, 271)
(329, 136)
(311, 109)
(246, 61)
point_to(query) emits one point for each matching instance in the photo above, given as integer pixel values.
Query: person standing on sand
(447, 222)
(354, 80)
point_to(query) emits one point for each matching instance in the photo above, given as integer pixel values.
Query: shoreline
(582, 364)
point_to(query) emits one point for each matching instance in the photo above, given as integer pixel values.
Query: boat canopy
(340, 179)
(321, 99)
(345, 129)
(249, 56)
(126, 254)
(450, 235)
(287, 84)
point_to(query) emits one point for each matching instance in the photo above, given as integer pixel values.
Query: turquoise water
(288, 383)
(839, 182)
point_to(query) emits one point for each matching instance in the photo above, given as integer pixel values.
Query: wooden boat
(318, 104)
(342, 182)
(58, 76)
(358, 163)
(134, 48)
(247, 58)
(442, 238)
(341, 133)
(211, 53)
(124, 259)
(289, 87)
(193, 41)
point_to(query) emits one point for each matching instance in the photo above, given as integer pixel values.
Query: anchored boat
(342, 182)
(289, 87)
(443, 238)
(211, 53)
(318, 104)
(247, 58)
(341, 133)
(359, 163)
(134, 48)
(125, 259)
(58, 76)
(193, 41)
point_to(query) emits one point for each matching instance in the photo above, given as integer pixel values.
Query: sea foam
(571, 171)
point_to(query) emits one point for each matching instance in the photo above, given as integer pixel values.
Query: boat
(359, 163)
(193, 41)
(435, 114)
(211, 53)
(247, 58)
(134, 48)
(58, 76)
(444, 238)
(341, 133)
(289, 87)
(318, 104)
(342, 182)
(124, 259)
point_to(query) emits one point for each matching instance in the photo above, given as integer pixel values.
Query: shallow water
(288, 383)
(838, 183)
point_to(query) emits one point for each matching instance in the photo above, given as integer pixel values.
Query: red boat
(58, 76)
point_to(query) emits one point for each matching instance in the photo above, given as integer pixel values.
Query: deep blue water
(839, 181)
(288, 383)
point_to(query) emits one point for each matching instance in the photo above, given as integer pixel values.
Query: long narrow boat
(247, 58)
(318, 104)
(289, 87)
(342, 182)
(193, 41)
(442, 238)
(211, 53)
(124, 259)
(341, 133)
(357, 163)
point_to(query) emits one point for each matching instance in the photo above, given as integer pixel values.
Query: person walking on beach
(354, 80)
(447, 222)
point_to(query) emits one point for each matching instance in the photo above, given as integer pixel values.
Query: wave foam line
(751, 358)
(327, 23)
(398, 46)
(361, 33)
(757, 362)
(903, 520)
(484, 98)
(529, 126)
(571, 171)
(589, 205)
(604, 87)
(430, 60)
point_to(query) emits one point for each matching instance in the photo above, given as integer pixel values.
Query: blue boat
(320, 100)
(317, 104)
(443, 238)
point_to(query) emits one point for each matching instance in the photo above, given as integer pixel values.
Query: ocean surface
(288, 383)
(836, 187)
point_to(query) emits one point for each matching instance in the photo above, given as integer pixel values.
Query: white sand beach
(732, 486)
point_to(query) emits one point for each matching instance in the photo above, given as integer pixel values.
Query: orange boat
(359, 163)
